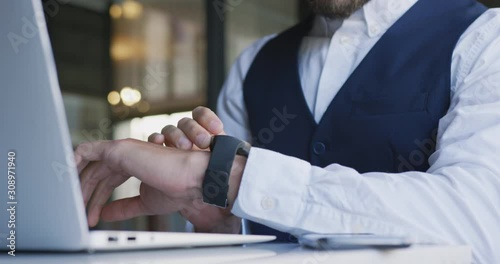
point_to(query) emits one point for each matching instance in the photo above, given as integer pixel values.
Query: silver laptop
(39, 183)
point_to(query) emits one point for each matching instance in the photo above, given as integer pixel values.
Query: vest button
(319, 148)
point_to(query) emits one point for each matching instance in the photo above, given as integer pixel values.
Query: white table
(260, 253)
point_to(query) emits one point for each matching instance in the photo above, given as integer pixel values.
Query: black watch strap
(216, 182)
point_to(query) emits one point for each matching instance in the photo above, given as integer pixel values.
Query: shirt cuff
(265, 196)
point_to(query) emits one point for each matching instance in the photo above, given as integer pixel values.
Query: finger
(89, 180)
(79, 161)
(156, 138)
(124, 209)
(208, 119)
(93, 151)
(195, 132)
(101, 195)
(176, 138)
(99, 198)
(82, 165)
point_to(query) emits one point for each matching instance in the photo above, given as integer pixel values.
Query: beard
(336, 8)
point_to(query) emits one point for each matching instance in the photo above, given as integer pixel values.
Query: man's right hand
(190, 133)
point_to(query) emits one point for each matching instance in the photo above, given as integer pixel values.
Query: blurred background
(127, 68)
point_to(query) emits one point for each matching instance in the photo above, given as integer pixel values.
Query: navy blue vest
(384, 118)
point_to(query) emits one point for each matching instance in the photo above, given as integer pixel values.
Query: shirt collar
(378, 15)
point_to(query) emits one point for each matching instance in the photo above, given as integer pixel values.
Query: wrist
(224, 150)
(198, 162)
(212, 219)
(237, 170)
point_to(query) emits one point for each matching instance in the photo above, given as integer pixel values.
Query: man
(374, 116)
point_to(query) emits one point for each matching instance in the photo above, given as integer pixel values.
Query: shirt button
(345, 40)
(319, 148)
(374, 30)
(268, 203)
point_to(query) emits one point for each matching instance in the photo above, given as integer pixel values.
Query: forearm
(452, 204)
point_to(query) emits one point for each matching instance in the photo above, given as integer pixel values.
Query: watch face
(242, 147)
(244, 150)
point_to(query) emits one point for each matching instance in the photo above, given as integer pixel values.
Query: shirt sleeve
(231, 106)
(457, 201)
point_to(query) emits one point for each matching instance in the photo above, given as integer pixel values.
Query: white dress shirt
(457, 201)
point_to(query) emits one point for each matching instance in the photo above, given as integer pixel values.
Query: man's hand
(195, 134)
(190, 133)
(171, 180)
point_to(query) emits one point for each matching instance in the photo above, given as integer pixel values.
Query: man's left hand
(171, 180)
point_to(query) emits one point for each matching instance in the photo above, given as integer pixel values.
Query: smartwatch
(216, 182)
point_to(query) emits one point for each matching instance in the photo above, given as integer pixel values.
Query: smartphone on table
(353, 241)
